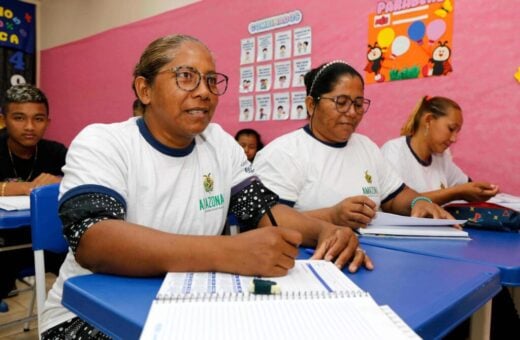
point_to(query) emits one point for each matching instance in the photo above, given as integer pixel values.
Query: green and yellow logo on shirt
(368, 177)
(369, 190)
(210, 202)
(208, 182)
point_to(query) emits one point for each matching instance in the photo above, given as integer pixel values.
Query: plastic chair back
(46, 230)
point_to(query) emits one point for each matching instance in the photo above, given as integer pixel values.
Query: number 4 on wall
(17, 61)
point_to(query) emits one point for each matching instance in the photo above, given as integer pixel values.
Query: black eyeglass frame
(178, 70)
(366, 102)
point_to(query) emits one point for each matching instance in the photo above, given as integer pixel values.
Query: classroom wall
(64, 21)
(89, 80)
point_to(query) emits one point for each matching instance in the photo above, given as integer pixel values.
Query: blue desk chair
(46, 229)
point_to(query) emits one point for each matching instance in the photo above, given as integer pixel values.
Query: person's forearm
(15, 188)
(324, 214)
(442, 196)
(400, 204)
(118, 247)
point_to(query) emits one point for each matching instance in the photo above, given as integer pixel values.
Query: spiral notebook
(316, 301)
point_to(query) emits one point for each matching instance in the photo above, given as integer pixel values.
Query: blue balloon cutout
(416, 31)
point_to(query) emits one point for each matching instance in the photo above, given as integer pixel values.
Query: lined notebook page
(326, 318)
(306, 276)
(317, 302)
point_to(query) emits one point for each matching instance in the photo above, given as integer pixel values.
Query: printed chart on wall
(17, 44)
(274, 60)
(409, 39)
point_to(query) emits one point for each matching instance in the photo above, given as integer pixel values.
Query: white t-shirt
(442, 172)
(312, 174)
(179, 191)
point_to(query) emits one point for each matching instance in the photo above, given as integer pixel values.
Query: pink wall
(89, 80)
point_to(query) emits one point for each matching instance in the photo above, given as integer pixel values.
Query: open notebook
(317, 301)
(385, 224)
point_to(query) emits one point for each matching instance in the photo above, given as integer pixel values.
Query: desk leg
(481, 323)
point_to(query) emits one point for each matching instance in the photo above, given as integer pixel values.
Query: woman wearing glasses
(151, 195)
(422, 158)
(326, 169)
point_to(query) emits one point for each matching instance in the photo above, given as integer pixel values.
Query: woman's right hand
(477, 191)
(354, 212)
(267, 251)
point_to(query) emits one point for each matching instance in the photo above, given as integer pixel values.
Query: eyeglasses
(344, 102)
(188, 79)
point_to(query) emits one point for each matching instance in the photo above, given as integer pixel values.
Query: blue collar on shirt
(143, 129)
(424, 163)
(307, 129)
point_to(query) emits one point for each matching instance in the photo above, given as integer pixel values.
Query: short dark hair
(24, 93)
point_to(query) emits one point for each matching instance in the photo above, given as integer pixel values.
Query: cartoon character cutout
(375, 62)
(438, 64)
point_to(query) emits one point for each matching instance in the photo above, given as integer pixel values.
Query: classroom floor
(17, 309)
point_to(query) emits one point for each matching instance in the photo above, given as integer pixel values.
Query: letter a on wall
(409, 39)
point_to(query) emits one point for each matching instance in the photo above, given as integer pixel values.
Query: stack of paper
(385, 224)
(15, 202)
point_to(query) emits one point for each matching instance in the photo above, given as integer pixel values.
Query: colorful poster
(298, 110)
(300, 67)
(246, 79)
(264, 77)
(246, 108)
(302, 41)
(265, 47)
(263, 107)
(283, 44)
(282, 74)
(247, 51)
(281, 105)
(17, 44)
(409, 39)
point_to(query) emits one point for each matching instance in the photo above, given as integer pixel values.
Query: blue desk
(431, 294)
(14, 218)
(493, 248)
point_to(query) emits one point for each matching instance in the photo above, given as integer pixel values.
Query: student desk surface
(10, 219)
(13, 219)
(494, 248)
(431, 294)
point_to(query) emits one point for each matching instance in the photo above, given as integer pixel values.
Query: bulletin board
(408, 40)
(274, 59)
(17, 44)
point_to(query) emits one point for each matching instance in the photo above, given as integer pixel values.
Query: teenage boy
(27, 161)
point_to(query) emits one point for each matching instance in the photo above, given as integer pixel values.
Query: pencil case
(483, 215)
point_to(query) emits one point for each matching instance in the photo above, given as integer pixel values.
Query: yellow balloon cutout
(385, 37)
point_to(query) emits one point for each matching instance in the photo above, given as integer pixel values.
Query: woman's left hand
(427, 209)
(341, 246)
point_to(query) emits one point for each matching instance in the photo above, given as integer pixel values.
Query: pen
(271, 217)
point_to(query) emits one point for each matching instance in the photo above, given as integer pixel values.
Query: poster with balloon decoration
(409, 39)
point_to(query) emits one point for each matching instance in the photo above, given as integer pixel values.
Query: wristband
(2, 189)
(419, 198)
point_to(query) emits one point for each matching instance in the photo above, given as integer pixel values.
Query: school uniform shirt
(310, 174)
(439, 173)
(182, 191)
